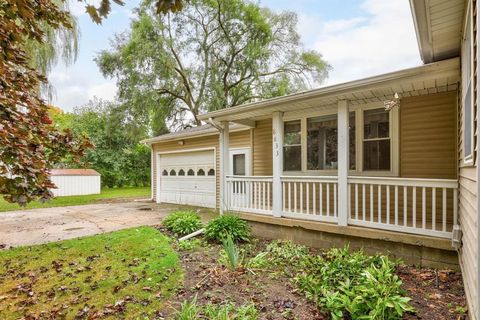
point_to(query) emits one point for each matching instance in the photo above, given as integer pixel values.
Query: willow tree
(213, 54)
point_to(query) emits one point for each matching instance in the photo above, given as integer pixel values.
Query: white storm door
(240, 165)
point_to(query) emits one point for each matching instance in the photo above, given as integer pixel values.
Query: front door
(240, 165)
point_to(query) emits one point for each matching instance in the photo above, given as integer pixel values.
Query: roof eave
(421, 18)
(446, 66)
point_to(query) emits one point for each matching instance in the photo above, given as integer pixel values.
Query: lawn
(124, 274)
(107, 193)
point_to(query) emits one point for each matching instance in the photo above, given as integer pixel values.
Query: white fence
(419, 206)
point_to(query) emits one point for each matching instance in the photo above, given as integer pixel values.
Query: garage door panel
(197, 189)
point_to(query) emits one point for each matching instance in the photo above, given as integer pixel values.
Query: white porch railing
(250, 193)
(418, 206)
(313, 198)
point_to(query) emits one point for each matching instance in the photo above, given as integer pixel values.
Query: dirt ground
(436, 294)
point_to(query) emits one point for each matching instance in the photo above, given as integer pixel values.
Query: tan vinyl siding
(240, 139)
(468, 211)
(428, 136)
(468, 222)
(262, 148)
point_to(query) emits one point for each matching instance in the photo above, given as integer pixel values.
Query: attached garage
(187, 177)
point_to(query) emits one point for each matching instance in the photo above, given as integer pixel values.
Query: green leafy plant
(234, 256)
(353, 285)
(230, 312)
(287, 253)
(182, 222)
(227, 224)
(189, 310)
(187, 245)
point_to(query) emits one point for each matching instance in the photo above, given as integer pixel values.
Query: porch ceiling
(426, 79)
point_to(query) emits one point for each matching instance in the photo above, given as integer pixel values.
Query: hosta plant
(227, 225)
(182, 222)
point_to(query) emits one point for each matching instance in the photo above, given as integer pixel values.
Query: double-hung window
(292, 146)
(322, 143)
(370, 142)
(376, 140)
(467, 91)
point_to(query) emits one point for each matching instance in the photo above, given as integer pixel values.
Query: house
(386, 163)
(73, 182)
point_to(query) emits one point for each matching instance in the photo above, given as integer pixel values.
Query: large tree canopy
(118, 155)
(33, 33)
(213, 54)
(29, 143)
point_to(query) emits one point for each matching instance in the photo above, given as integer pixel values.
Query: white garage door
(188, 178)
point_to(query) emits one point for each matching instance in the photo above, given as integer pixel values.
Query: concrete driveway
(25, 227)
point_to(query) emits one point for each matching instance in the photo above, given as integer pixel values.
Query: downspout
(152, 178)
(476, 159)
(222, 166)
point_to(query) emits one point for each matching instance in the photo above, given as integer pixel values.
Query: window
(190, 172)
(292, 146)
(239, 164)
(351, 142)
(322, 143)
(467, 90)
(376, 140)
(181, 172)
(211, 172)
(200, 172)
(164, 173)
(173, 173)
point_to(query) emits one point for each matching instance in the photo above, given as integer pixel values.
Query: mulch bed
(435, 294)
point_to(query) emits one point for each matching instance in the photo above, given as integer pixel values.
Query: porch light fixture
(390, 104)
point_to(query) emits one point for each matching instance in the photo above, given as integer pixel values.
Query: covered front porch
(349, 154)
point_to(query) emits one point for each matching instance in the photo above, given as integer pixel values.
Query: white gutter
(421, 18)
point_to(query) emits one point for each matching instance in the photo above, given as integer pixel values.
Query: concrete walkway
(26, 227)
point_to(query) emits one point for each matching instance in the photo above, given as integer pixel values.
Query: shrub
(227, 224)
(182, 222)
(353, 285)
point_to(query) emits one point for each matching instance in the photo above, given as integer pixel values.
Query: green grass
(107, 193)
(124, 274)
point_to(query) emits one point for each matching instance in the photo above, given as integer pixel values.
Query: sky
(358, 38)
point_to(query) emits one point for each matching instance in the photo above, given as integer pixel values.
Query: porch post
(343, 163)
(277, 163)
(224, 165)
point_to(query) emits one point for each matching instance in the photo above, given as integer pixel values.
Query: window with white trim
(467, 137)
(292, 146)
(376, 140)
(373, 142)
